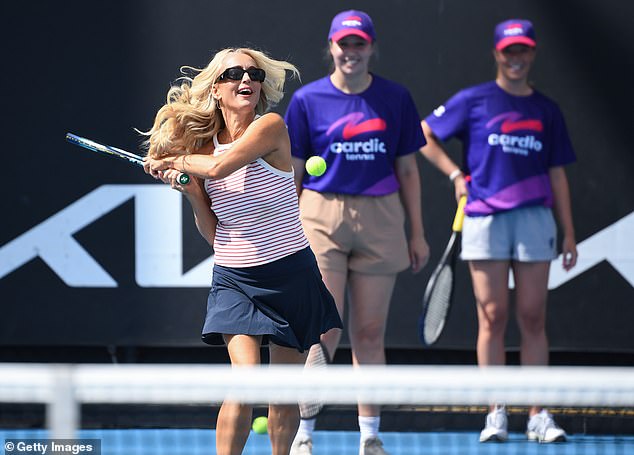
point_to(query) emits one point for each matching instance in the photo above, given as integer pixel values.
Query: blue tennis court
(199, 442)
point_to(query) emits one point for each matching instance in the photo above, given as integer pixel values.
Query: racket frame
(448, 258)
(115, 152)
(311, 409)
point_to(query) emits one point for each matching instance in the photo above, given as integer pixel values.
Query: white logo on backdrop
(159, 253)
(158, 249)
(612, 244)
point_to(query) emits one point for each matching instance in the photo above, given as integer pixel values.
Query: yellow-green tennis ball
(259, 425)
(316, 166)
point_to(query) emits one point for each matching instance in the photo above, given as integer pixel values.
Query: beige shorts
(361, 233)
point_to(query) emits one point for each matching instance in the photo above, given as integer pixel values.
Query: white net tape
(463, 385)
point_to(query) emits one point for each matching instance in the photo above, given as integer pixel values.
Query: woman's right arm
(298, 168)
(437, 155)
(205, 218)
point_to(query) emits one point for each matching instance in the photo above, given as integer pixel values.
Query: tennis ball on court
(260, 424)
(316, 166)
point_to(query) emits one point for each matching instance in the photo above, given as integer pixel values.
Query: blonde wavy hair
(191, 115)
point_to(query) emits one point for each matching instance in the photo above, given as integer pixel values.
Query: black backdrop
(100, 69)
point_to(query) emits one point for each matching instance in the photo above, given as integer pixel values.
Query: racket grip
(457, 221)
(183, 179)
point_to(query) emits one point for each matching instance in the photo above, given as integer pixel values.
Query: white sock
(369, 427)
(305, 430)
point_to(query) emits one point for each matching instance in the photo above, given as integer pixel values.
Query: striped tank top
(258, 214)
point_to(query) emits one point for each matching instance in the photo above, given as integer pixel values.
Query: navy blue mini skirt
(286, 301)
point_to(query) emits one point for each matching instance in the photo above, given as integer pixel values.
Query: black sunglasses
(236, 73)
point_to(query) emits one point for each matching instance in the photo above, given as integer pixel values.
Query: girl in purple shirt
(367, 130)
(515, 146)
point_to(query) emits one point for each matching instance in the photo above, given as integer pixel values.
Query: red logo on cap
(513, 29)
(352, 21)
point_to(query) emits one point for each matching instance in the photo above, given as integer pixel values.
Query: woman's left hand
(418, 253)
(153, 167)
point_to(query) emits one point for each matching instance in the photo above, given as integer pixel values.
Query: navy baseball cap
(514, 31)
(352, 22)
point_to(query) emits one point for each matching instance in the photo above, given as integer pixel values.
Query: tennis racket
(317, 358)
(439, 290)
(183, 179)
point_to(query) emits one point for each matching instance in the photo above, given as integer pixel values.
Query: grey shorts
(527, 234)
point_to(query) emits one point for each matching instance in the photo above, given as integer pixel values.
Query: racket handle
(183, 179)
(457, 221)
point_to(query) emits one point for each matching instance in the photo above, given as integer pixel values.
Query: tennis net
(171, 409)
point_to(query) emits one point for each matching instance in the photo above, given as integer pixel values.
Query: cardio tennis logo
(513, 30)
(511, 143)
(439, 111)
(352, 21)
(358, 150)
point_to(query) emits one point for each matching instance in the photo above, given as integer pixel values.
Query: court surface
(199, 442)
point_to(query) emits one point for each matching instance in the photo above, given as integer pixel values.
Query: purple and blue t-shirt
(359, 135)
(510, 142)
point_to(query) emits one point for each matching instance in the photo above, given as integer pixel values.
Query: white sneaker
(372, 446)
(496, 427)
(302, 447)
(542, 428)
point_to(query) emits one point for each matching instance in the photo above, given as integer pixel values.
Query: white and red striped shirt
(258, 214)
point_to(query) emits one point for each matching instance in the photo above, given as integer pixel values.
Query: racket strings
(438, 305)
(317, 359)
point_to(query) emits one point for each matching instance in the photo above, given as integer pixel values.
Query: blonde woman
(266, 284)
